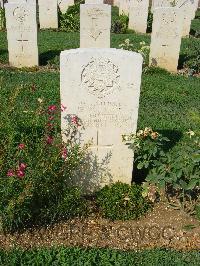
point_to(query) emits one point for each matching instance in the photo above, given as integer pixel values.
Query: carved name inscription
(100, 77)
(106, 114)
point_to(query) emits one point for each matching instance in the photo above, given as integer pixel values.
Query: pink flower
(51, 118)
(22, 166)
(10, 172)
(20, 173)
(74, 120)
(49, 124)
(52, 108)
(64, 153)
(63, 108)
(49, 140)
(21, 146)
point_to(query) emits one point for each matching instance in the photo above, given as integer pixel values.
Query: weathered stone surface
(188, 8)
(95, 25)
(102, 88)
(64, 4)
(94, 2)
(138, 14)
(48, 14)
(124, 6)
(21, 27)
(160, 3)
(166, 38)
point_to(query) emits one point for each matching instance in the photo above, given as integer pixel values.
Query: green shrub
(122, 201)
(120, 24)
(35, 166)
(149, 21)
(192, 62)
(177, 173)
(197, 209)
(70, 21)
(2, 19)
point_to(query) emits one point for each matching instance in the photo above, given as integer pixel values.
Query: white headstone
(64, 4)
(1, 4)
(138, 15)
(102, 87)
(21, 27)
(188, 8)
(124, 6)
(161, 3)
(95, 25)
(48, 14)
(93, 1)
(166, 38)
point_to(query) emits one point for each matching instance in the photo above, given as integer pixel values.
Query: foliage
(35, 166)
(122, 201)
(149, 21)
(197, 210)
(147, 146)
(70, 21)
(2, 19)
(178, 174)
(101, 257)
(143, 49)
(192, 62)
(120, 24)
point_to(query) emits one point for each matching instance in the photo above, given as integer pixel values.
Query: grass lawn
(169, 104)
(92, 257)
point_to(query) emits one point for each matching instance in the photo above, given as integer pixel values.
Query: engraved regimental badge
(100, 77)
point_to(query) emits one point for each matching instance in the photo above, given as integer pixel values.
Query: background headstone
(138, 14)
(21, 27)
(124, 6)
(64, 4)
(93, 1)
(188, 9)
(161, 3)
(166, 38)
(102, 87)
(95, 25)
(48, 14)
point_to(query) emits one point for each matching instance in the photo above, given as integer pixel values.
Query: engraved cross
(22, 42)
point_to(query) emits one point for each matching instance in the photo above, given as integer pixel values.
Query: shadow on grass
(49, 56)
(174, 136)
(182, 59)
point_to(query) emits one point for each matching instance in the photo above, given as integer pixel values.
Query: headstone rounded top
(103, 51)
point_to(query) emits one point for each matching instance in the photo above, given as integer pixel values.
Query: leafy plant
(122, 201)
(70, 21)
(149, 21)
(120, 24)
(143, 49)
(36, 166)
(177, 176)
(2, 19)
(192, 62)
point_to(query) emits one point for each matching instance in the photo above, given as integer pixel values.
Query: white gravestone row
(166, 38)
(21, 27)
(95, 24)
(102, 87)
(48, 14)
(138, 15)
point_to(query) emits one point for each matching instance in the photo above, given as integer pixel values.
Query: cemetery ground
(30, 116)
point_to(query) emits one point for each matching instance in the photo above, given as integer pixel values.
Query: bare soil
(163, 227)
